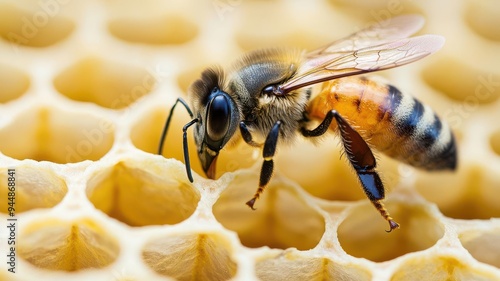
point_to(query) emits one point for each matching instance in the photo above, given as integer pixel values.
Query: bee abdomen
(423, 140)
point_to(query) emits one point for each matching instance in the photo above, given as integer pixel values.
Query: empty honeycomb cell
(106, 83)
(236, 157)
(333, 177)
(35, 187)
(373, 12)
(482, 16)
(51, 134)
(362, 234)
(14, 83)
(495, 142)
(282, 218)
(471, 86)
(163, 29)
(483, 245)
(146, 133)
(37, 26)
(143, 192)
(276, 31)
(296, 266)
(470, 193)
(67, 245)
(440, 268)
(191, 256)
(372, 5)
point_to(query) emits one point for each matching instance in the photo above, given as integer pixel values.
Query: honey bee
(269, 96)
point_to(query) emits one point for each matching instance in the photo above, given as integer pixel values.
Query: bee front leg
(184, 135)
(361, 158)
(268, 152)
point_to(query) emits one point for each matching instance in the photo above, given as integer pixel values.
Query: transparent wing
(380, 46)
(376, 34)
(327, 65)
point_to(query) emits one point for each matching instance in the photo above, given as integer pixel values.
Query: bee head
(218, 117)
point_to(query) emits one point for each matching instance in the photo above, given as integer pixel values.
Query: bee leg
(184, 135)
(268, 152)
(247, 136)
(361, 157)
(167, 123)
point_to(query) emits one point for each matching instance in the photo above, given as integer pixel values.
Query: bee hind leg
(268, 152)
(361, 158)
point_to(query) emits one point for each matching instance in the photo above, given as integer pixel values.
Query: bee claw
(250, 204)
(393, 225)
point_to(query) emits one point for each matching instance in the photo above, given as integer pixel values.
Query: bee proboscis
(268, 97)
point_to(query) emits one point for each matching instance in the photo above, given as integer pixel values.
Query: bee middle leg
(361, 158)
(268, 152)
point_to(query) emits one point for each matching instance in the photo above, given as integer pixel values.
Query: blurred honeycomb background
(85, 87)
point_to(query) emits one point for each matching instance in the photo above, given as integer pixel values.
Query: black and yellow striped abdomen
(398, 125)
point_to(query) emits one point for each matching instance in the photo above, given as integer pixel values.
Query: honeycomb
(85, 90)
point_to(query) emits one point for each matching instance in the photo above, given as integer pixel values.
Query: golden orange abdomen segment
(364, 103)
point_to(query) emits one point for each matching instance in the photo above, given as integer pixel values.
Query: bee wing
(331, 65)
(376, 34)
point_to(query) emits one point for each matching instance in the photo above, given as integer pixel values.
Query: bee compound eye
(218, 118)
